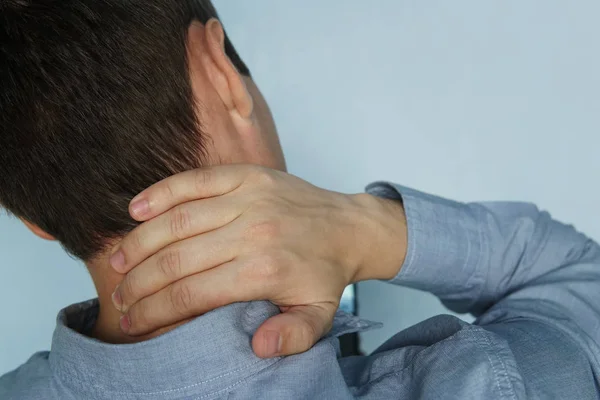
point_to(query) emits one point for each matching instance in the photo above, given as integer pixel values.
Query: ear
(37, 230)
(209, 40)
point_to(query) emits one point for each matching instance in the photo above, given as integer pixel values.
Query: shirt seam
(175, 390)
(499, 373)
(217, 392)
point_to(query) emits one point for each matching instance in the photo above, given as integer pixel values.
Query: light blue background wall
(469, 99)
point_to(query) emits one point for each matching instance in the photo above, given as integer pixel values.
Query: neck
(107, 327)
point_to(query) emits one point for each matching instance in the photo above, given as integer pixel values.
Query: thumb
(294, 331)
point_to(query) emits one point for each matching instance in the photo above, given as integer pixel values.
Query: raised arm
(227, 234)
(503, 262)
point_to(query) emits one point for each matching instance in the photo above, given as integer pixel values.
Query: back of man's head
(95, 105)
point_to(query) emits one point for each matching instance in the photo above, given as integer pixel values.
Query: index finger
(187, 186)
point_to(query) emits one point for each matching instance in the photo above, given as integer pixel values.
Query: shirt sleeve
(502, 262)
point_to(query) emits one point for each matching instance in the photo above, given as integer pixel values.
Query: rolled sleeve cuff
(444, 243)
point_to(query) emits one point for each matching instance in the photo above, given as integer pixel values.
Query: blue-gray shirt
(532, 282)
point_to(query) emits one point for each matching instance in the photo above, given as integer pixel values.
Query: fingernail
(117, 300)
(125, 323)
(139, 208)
(117, 261)
(273, 342)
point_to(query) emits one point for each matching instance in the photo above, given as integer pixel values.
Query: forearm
(424, 242)
(526, 276)
(473, 255)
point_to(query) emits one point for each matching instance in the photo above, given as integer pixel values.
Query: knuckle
(260, 205)
(169, 264)
(267, 230)
(263, 176)
(268, 268)
(182, 298)
(180, 222)
(203, 178)
(264, 269)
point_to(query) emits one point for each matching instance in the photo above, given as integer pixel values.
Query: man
(102, 98)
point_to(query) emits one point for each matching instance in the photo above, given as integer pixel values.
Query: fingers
(187, 298)
(173, 263)
(294, 331)
(190, 185)
(179, 223)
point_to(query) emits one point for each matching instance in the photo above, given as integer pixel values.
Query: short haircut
(96, 105)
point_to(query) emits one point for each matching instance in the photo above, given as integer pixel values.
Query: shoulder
(32, 380)
(468, 360)
(520, 358)
(549, 360)
(443, 356)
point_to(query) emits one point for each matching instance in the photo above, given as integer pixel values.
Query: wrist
(382, 238)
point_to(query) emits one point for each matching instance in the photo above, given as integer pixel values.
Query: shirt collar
(211, 352)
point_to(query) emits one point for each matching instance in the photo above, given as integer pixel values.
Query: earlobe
(227, 80)
(37, 230)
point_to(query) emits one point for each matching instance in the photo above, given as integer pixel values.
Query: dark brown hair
(95, 106)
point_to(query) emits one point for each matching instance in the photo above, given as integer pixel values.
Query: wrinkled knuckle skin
(180, 223)
(169, 264)
(182, 299)
(203, 179)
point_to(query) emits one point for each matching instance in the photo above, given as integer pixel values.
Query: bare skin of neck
(107, 327)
